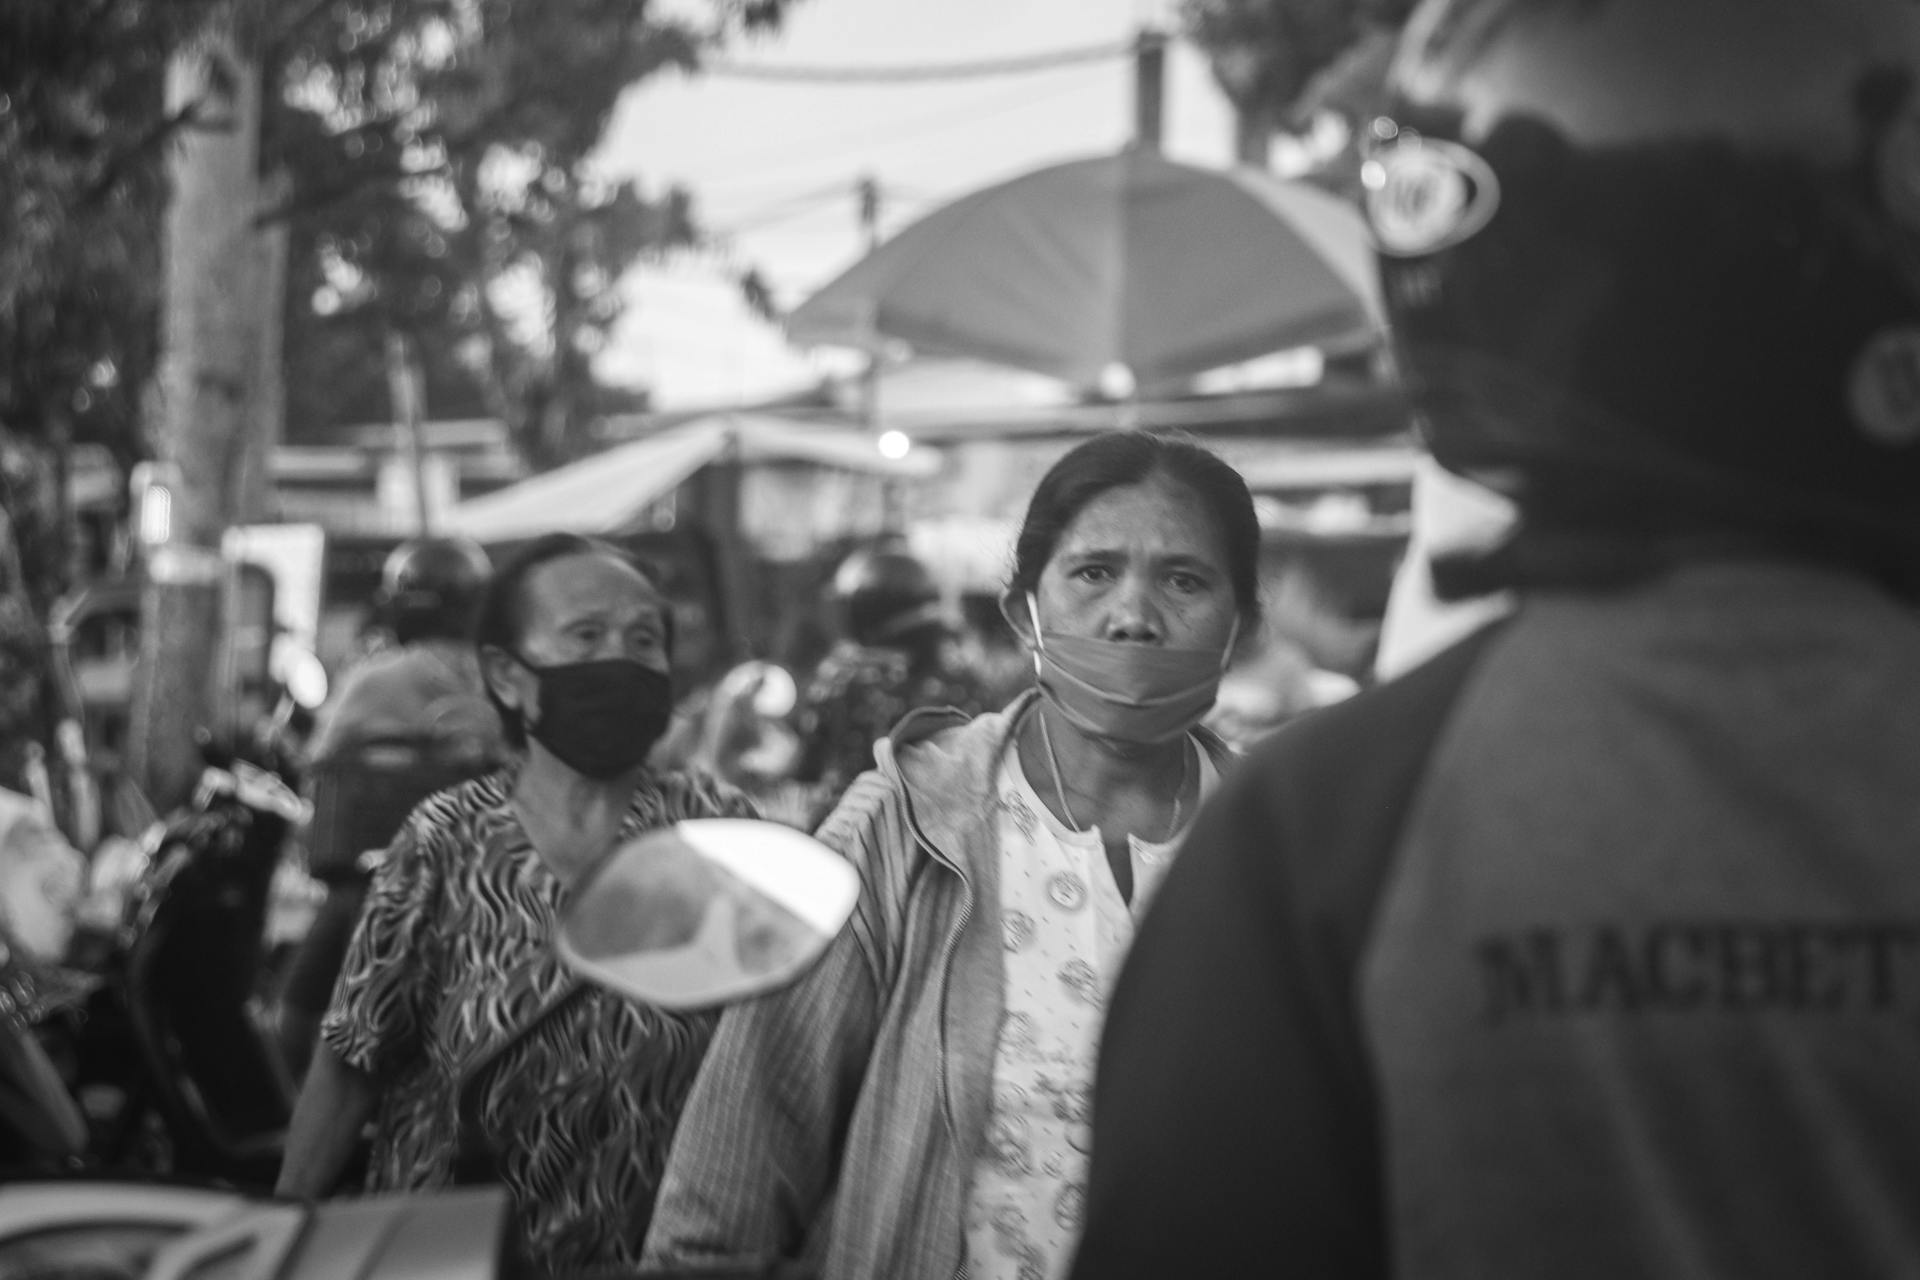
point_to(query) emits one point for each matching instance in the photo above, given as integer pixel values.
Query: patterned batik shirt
(1066, 931)
(453, 954)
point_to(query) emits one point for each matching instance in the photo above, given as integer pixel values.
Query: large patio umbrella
(1129, 259)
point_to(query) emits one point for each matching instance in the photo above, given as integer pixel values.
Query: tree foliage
(436, 155)
(428, 157)
(442, 185)
(82, 139)
(1265, 53)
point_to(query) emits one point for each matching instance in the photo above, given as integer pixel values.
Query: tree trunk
(562, 427)
(407, 392)
(267, 387)
(208, 380)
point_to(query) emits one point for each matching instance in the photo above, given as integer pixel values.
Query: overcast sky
(773, 166)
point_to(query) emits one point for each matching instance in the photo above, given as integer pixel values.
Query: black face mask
(601, 718)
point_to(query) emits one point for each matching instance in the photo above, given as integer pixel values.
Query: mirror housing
(706, 912)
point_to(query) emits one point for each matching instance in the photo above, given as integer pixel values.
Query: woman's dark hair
(502, 622)
(1116, 459)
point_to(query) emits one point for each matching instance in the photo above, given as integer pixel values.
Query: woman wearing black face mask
(453, 1024)
(917, 1104)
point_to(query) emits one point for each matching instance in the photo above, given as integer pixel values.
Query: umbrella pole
(735, 555)
(1126, 405)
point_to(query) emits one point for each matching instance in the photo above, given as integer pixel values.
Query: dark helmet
(431, 586)
(886, 596)
(1654, 265)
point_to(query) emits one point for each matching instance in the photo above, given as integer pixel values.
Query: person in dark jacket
(896, 653)
(407, 721)
(1591, 947)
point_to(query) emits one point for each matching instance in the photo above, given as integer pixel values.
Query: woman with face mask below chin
(451, 988)
(917, 1105)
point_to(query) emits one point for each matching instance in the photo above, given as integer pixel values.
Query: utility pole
(406, 390)
(1149, 88)
(868, 192)
(892, 500)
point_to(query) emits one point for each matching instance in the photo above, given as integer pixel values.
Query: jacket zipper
(947, 952)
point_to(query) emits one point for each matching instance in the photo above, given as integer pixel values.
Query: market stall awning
(609, 492)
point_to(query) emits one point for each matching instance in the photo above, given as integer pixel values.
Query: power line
(787, 210)
(787, 207)
(809, 152)
(859, 75)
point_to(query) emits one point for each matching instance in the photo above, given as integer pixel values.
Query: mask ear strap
(1039, 645)
(1233, 638)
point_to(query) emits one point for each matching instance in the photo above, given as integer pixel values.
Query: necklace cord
(1060, 788)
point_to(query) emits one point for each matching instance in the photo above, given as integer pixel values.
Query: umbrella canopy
(1128, 259)
(609, 492)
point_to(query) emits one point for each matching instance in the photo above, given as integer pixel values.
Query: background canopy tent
(609, 492)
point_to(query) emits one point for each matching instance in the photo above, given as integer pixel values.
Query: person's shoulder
(386, 672)
(1365, 750)
(452, 814)
(674, 794)
(370, 669)
(946, 750)
(441, 663)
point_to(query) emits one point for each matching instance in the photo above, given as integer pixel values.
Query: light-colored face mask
(1129, 692)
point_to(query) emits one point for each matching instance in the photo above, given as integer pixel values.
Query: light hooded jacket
(842, 1117)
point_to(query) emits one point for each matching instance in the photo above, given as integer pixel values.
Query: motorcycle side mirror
(706, 912)
(303, 675)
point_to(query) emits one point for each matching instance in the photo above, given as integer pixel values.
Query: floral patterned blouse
(1066, 931)
(452, 956)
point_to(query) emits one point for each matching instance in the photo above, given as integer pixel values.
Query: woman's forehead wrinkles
(640, 608)
(585, 584)
(1156, 541)
(1154, 517)
(563, 613)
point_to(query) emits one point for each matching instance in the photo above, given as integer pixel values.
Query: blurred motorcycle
(41, 1127)
(692, 915)
(173, 1053)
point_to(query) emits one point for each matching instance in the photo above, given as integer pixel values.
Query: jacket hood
(944, 762)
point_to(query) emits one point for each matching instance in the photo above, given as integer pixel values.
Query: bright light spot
(156, 515)
(894, 445)
(300, 671)
(777, 695)
(1295, 367)
(1116, 382)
